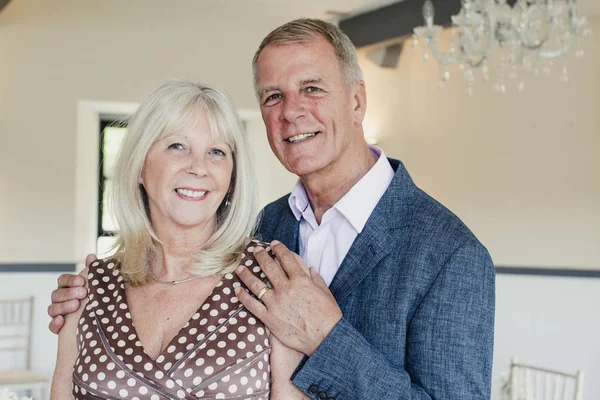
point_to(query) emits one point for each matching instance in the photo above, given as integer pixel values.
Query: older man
(399, 303)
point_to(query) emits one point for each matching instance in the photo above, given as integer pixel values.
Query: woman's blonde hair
(173, 107)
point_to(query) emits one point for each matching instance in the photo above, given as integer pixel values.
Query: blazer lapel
(383, 231)
(286, 231)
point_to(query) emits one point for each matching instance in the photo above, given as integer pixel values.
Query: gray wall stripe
(42, 267)
(566, 272)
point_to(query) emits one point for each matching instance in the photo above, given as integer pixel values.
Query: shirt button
(313, 389)
(322, 396)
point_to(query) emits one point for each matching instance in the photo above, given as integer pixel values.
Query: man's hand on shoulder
(66, 298)
(299, 309)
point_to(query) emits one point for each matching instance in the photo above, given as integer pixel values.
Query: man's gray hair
(305, 30)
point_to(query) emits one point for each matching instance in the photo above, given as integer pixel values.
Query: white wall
(521, 170)
(549, 321)
(55, 54)
(18, 285)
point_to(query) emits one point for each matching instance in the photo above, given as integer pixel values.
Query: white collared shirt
(325, 246)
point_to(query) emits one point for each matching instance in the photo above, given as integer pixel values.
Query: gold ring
(262, 292)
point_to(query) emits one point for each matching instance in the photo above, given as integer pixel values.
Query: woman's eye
(217, 152)
(176, 146)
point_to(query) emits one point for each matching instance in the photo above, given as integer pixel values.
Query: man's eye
(176, 146)
(272, 98)
(312, 89)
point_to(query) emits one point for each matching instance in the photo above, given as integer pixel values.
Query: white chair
(16, 318)
(534, 383)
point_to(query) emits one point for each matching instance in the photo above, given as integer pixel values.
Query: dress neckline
(206, 304)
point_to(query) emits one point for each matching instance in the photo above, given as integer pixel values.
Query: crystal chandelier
(530, 33)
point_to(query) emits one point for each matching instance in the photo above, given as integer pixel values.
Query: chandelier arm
(430, 35)
(489, 33)
(523, 40)
(558, 52)
(445, 57)
(462, 58)
(532, 47)
(568, 44)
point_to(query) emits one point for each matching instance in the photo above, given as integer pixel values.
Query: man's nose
(294, 107)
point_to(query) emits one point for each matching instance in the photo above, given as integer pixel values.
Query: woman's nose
(197, 164)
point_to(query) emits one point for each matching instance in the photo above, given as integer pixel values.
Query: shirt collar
(360, 201)
(298, 200)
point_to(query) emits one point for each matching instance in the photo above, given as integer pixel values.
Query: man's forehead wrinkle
(315, 79)
(302, 82)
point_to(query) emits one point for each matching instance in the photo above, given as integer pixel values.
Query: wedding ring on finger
(262, 292)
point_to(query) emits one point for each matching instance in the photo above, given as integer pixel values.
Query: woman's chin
(188, 223)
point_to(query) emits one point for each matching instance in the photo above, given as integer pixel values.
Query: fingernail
(236, 290)
(275, 242)
(239, 269)
(257, 249)
(79, 281)
(81, 292)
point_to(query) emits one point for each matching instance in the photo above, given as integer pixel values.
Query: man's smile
(301, 137)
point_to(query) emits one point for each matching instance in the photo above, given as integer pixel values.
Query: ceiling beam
(396, 20)
(3, 3)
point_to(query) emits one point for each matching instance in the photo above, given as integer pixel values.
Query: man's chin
(304, 168)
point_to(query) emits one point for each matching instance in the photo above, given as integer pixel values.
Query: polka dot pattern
(222, 352)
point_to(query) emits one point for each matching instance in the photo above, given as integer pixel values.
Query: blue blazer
(417, 294)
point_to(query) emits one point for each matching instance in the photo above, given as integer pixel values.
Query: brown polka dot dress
(222, 352)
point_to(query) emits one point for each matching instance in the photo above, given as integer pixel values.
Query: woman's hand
(283, 364)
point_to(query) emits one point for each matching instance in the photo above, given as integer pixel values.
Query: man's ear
(359, 101)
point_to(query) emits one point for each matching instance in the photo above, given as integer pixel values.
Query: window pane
(103, 246)
(113, 136)
(108, 223)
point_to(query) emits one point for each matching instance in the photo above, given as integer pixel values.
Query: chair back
(528, 382)
(16, 318)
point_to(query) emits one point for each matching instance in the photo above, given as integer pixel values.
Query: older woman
(161, 320)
